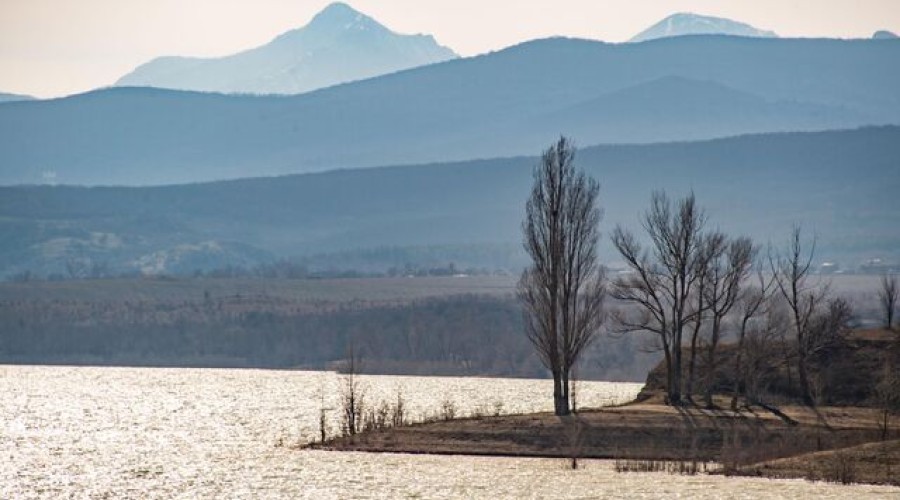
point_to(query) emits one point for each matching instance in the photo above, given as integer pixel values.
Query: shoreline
(838, 444)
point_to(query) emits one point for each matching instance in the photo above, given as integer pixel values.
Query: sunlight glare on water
(90, 432)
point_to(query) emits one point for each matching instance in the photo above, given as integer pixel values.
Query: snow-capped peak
(340, 16)
(686, 23)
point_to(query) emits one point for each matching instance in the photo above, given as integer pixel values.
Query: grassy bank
(875, 463)
(646, 433)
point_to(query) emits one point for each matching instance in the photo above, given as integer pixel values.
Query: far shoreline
(287, 369)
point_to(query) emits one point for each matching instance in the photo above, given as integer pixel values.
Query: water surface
(87, 432)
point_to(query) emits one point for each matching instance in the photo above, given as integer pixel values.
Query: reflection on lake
(162, 433)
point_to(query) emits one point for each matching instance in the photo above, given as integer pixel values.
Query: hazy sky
(57, 47)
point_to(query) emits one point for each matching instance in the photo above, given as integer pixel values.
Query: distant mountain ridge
(841, 185)
(499, 104)
(338, 45)
(884, 35)
(699, 109)
(686, 23)
(7, 97)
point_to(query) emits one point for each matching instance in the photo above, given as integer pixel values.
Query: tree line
(454, 335)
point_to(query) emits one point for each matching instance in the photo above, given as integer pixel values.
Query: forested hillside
(840, 185)
(447, 326)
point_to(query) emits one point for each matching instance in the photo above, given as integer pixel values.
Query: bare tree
(752, 303)
(564, 287)
(352, 394)
(828, 330)
(763, 339)
(791, 271)
(662, 286)
(887, 395)
(887, 297)
(713, 247)
(725, 274)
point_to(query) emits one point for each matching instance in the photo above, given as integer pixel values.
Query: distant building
(878, 266)
(830, 268)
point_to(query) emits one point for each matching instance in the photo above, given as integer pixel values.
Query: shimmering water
(160, 433)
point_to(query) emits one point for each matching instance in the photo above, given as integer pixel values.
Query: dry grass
(874, 463)
(825, 443)
(878, 334)
(640, 431)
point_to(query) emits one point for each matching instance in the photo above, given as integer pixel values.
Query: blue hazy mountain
(686, 23)
(339, 45)
(500, 104)
(841, 185)
(675, 108)
(7, 97)
(884, 35)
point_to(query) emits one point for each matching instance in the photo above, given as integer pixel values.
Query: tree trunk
(711, 363)
(560, 397)
(710, 382)
(668, 358)
(737, 371)
(804, 381)
(693, 362)
(675, 387)
(790, 372)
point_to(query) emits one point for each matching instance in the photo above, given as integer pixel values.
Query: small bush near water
(685, 467)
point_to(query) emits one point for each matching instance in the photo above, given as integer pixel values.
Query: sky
(51, 48)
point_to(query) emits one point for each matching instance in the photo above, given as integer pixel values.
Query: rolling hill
(498, 104)
(7, 97)
(842, 186)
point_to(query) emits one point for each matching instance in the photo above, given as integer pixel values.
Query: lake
(101, 432)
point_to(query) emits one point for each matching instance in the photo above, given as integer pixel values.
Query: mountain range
(339, 45)
(7, 97)
(841, 186)
(504, 103)
(686, 23)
